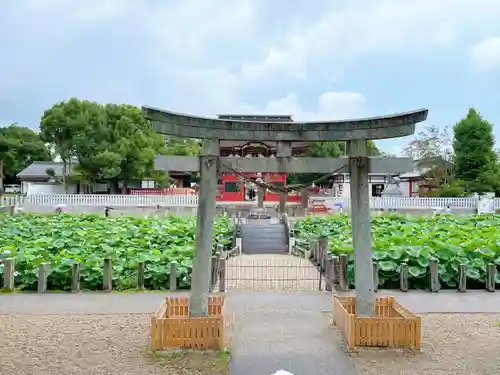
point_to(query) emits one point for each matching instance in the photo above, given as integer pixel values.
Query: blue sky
(315, 60)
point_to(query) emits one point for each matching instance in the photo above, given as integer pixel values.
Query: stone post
(361, 227)
(200, 284)
(283, 151)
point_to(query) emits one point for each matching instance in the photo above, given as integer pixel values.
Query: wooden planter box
(172, 327)
(394, 326)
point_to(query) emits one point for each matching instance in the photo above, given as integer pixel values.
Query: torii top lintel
(183, 125)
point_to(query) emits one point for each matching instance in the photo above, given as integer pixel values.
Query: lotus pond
(470, 240)
(61, 240)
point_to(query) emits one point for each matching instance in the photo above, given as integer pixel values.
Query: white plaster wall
(146, 184)
(346, 193)
(405, 188)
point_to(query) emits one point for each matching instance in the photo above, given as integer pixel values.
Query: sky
(317, 60)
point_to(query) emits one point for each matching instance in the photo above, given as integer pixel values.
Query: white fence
(192, 200)
(102, 200)
(411, 203)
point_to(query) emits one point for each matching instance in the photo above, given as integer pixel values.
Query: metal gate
(271, 272)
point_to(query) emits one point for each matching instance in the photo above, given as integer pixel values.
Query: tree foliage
(63, 126)
(431, 149)
(476, 162)
(19, 148)
(111, 142)
(182, 146)
(326, 149)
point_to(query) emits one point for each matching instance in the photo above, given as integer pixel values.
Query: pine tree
(474, 155)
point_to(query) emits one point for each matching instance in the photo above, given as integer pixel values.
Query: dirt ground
(461, 344)
(93, 345)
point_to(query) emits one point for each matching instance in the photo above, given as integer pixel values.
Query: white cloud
(486, 54)
(330, 106)
(343, 34)
(229, 56)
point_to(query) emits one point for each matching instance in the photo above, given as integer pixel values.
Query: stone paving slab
(146, 302)
(271, 272)
(81, 303)
(274, 331)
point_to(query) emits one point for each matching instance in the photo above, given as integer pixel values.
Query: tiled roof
(38, 169)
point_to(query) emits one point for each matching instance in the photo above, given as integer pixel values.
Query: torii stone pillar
(361, 226)
(200, 280)
(354, 132)
(283, 151)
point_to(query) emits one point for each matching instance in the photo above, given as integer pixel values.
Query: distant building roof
(263, 118)
(269, 145)
(38, 170)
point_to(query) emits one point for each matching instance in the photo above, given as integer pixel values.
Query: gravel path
(90, 345)
(97, 333)
(458, 344)
(266, 272)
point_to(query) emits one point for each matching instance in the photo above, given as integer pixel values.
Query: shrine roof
(268, 144)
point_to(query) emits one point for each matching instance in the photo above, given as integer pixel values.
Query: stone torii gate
(358, 164)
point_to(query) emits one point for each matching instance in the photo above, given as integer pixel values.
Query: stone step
(263, 237)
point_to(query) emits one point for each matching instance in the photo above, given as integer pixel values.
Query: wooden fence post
(222, 275)
(107, 275)
(403, 277)
(336, 271)
(434, 285)
(316, 252)
(343, 284)
(214, 271)
(75, 277)
(42, 278)
(462, 278)
(323, 251)
(491, 273)
(8, 273)
(376, 279)
(140, 275)
(312, 248)
(329, 273)
(173, 276)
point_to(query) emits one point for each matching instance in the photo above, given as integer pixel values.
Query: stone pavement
(270, 330)
(274, 331)
(271, 272)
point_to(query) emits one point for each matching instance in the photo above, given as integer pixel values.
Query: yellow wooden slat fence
(172, 327)
(393, 325)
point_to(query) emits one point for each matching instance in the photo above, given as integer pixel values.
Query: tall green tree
(119, 145)
(475, 159)
(112, 142)
(19, 147)
(63, 126)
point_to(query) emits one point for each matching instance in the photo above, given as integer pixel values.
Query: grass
(194, 362)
